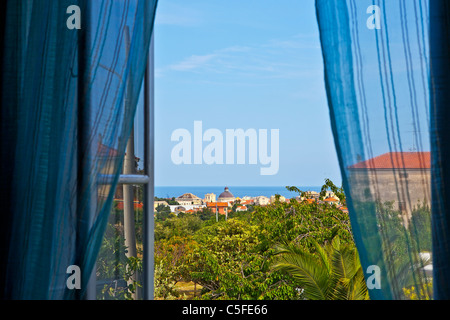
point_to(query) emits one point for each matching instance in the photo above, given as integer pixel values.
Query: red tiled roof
(331, 200)
(137, 204)
(106, 151)
(219, 204)
(397, 160)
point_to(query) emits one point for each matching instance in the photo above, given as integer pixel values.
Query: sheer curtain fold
(440, 144)
(376, 63)
(68, 101)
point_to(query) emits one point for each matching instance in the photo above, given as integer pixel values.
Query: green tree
(421, 226)
(334, 272)
(231, 260)
(339, 192)
(162, 212)
(182, 226)
(402, 245)
(114, 268)
(298, 222)
(171, 258)
(228, 265)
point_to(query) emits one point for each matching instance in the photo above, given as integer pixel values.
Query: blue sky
(242, 64)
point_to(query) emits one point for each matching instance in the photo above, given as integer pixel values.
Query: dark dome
(226, 194)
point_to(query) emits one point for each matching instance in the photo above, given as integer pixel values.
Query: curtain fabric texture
(377, 74)
(67, 106)
(440, 144)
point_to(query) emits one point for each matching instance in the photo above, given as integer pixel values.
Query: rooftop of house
(218, 204)
(397, 160)
(188, 196)
(226, 194)
(106, 151)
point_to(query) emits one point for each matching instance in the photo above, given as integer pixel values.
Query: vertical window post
(149, 135)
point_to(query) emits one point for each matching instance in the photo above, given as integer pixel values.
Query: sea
(237, 191)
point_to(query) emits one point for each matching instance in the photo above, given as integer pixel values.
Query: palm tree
(334, 272)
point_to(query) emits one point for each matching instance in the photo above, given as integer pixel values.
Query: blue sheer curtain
(377, 73)
(68, 101)
(440, 147)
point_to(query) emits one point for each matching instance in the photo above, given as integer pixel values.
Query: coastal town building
(343, 209)
(281, 199)
(226, 196)
(184, 208)
(220, 207)
(310, 200)
(330, 194)
(158, 203)
(210, 197)
(309, 195)
(179, 209)
(399, 177)
(262, 201)
(188, 198)
(331, 200)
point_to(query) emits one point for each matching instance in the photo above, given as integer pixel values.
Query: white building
(158, 203)
(173, 208)
(188, 199)
(210, 197)
(273, 198)
(262, 201)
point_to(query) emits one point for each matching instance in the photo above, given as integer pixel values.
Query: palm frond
(307, 270)
(334, 272)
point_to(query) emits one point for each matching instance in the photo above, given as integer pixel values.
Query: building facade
(226, 196)
(262, 201)
(403, 178)
(220, 207)
(210, 197)
(188, 199)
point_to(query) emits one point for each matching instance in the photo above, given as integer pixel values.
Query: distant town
(227, 202)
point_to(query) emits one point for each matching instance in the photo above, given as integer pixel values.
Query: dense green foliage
(231, 259)
(402, 246)
(270, 252)
(114, 268)
(333, 273)
(170, 201)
